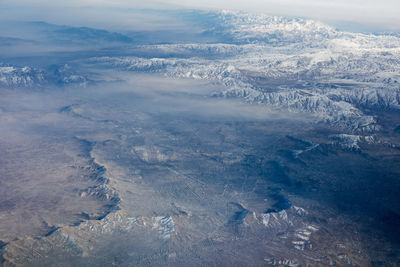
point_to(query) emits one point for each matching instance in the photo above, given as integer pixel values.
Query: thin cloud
(375, 14)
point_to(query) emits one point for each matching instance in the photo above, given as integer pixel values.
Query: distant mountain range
(290, 64)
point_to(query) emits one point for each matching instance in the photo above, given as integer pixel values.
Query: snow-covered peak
(274, 30)
(12, 76)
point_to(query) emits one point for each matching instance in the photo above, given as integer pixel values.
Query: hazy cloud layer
(375, 15)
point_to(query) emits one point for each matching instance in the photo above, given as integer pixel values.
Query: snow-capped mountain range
(11, 76)
(296, 65)
(28, 77)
